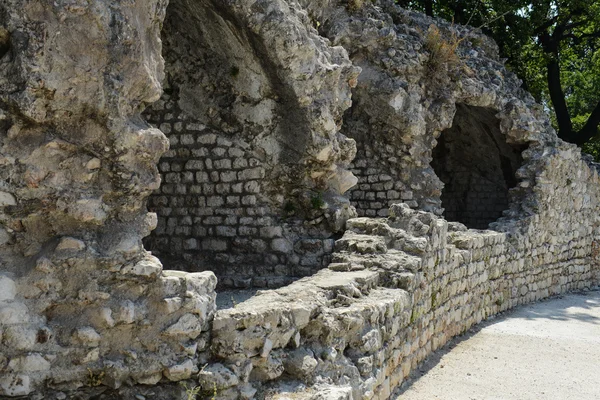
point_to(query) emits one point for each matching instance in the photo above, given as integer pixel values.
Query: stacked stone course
(376, 190)
(213, 213)
(400, 288)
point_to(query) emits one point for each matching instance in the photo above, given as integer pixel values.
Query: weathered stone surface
(13, 313)
(256, 146)
(30, 363)
(300, 364)
(264, 142)
(216, 376)
(180, 371)
(8, 289)
(14, 385)
(188, 325)
(79, 295)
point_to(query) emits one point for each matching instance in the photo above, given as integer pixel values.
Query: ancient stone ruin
(156, 157)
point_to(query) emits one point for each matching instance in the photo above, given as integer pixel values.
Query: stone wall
(377, 189)
(242, 195)
(86, 311)
(213, 214)
(81, 302)
(401, 287)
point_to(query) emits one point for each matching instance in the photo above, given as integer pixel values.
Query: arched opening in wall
(227, 117)
(477, 167)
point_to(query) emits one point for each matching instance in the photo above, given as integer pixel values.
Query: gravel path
(544, 351)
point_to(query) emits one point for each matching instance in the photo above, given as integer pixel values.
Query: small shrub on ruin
(317, 202)
(191, 392)
(442, 50)
(355, 5)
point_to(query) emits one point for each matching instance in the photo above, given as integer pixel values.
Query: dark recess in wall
(477, 167)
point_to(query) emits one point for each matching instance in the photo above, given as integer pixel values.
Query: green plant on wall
(191, 392)
(316, 201)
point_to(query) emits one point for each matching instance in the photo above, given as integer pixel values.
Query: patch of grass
(413, 316)
(434, 297)
(476, 42)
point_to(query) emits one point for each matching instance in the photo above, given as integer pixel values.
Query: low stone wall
(399, 288)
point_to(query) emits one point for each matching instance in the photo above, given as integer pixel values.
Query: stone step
(274, 318)
(394, 260)
(361, 244)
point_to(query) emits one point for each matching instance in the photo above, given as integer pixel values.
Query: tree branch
(565, 127)
(590, 129)
(579, 38)
(429, 8)
(544, 27)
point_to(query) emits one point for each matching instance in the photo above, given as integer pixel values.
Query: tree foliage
(552, 45)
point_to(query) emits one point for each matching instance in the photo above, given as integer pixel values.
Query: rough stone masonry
(391, 199)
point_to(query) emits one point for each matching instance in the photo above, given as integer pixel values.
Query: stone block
(149, 267)
(217, 376)
(14, 385)
(33, 362)
(281, 245)
(87, 336)
(180, 372)
(8, 289)
(188, 325)
(13, 313)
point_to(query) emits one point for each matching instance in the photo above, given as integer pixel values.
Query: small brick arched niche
(238, 140)
(477, 167)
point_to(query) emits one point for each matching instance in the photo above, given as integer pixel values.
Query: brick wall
(214, 212)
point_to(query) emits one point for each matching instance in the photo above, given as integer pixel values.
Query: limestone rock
(216, 376)
(149, 267)
(301, 363)
(180, 371)
(30, 363)
(188, 325)
(266, 369)
(87, 336)
(13, 313)
(15, 385)
(8, 289)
